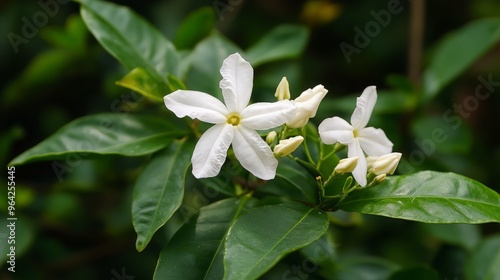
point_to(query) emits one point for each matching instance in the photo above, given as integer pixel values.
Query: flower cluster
(236, 124)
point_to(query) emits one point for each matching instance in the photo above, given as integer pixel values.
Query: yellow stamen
(234, 119)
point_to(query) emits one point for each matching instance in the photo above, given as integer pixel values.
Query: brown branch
(417, 21)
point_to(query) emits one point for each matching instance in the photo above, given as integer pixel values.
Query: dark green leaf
(458, 51)
(206, 60)
(463, 235)
(434, 134)
(284, 41)
(484, 263)
(159, 190)
(194, 28)
(415, 273)
(293, 181)
(260, 238)
(195, 251)
(362, 268)
(430, 197)
(131, 40)
(103, 134)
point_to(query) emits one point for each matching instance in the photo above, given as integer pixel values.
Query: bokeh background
(79, 227)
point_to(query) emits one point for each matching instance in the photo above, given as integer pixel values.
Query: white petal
(364, 107)
(196, 105)
(210, 151)
(254, 154)
(359, 172)
(265, 115)
(334, 130)
(374, 142)
(310, 99)
(236, 83)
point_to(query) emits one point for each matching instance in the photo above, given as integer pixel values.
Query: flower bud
(346, 165)
(306, 106)
(287, 146)
(377, 180)
(386, 164)
(369, 162)
(283, 90)
(271, 136)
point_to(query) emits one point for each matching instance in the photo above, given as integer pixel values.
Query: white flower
(287, 146)
(235, 122)
(346, 165)
(307, 104)
(358, 138)
(386, 164)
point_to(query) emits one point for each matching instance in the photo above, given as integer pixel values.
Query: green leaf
(103, 134)
(359, 267)
(484, 263)
(293, 181)
(458, 51)
(434, 134)
(415, 273)
(430, 197)
(206, 61)
(261, 237)
(463, 235)
(195, 251)
(132, 40)
(194, 28)
(159, 190)
(140, 80)
(284, 41)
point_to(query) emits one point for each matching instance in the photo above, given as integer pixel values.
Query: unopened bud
(271, 136)
(306, 106)
(346, 165)
(287, 146)
(283, 90)
(369, 162)
(386, 164)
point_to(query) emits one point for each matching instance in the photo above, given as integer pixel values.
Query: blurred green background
(78, 226)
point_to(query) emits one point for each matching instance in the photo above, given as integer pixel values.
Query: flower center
(234, 119)
(355, 133)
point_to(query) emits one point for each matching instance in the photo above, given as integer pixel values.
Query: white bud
(287, 146)
(271, 136)
(386, 164)
(283, 90)
(307, 104)
(346, 165)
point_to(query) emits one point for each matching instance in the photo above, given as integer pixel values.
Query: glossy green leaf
(103, 134)
(261, 237)
(132, 40)
(140, 80)
(284, 41)
(484, 263)
(194, 28)
(159, 190)
(293, 181)
(415, 273)
(430, 197)
(458, 51)
(206, 60)
(196, 250)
